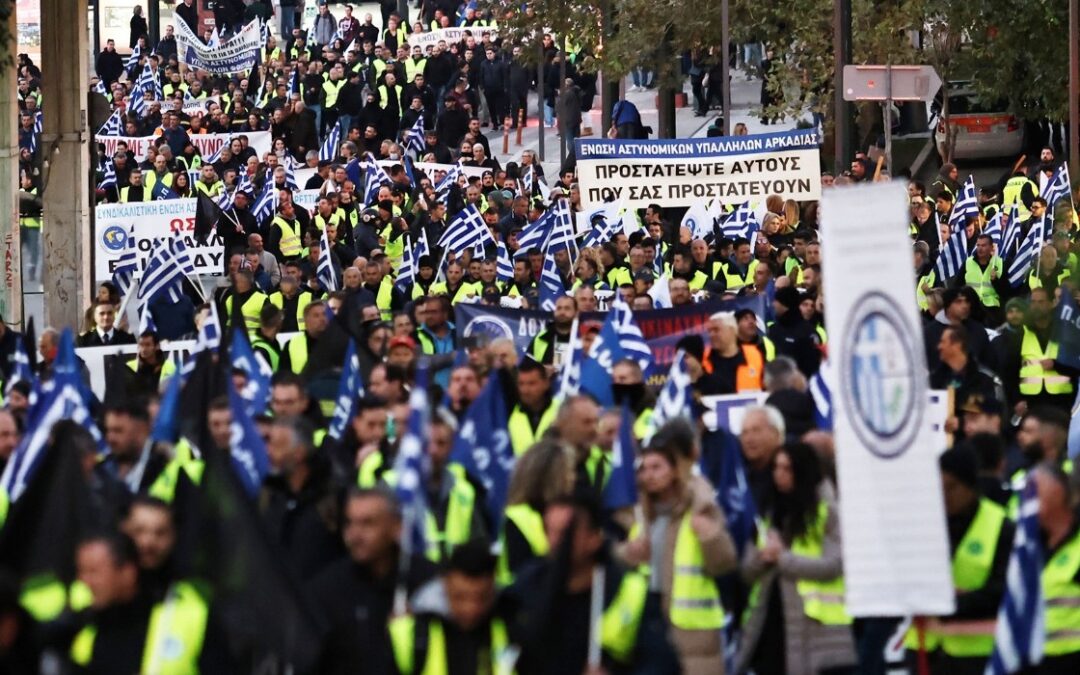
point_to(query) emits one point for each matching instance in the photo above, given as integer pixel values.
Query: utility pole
(540, 127)
(11, 282)
(1074, 85)
(665, 93)
(609, 86)
(841, 57)
(725, 74)
(64, 143)
(153, 21)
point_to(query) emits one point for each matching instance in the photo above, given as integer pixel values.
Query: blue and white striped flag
(742, 222)
(414, 136)
(127, 265)
(1057, 188)
(264, 207)
(551, 285)
(1029, 250)
(133, 59)
(135, 101)
(290, 177)
(20, 371)
(350, 389)
(442, 190)
(60, 399)
(410, 467)
(407, 268)
(504, 269)
(675, 399)
(113, 125)
(606, 222)
(329, 149)
(39, 122)
(1021, 621)
(995, 231)
(967, 206)
(562, 229)
(465, 231)
(325, 271)
(374, 178)
(535, 235)
(168, 266)
(100, 88)
(528, 181)
(953, 254)
(631, 340)
(821, 392)
(1012, 233)
(146, 321)
(108, 178)
(658, 259)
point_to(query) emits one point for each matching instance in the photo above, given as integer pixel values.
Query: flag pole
(401, 593)
(566, 366)
(596, 611)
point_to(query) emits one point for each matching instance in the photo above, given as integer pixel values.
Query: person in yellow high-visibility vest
(985, 273)
(1061, 568)
(1038, 379)
(980, 539)
(797, 554)
(680, 513)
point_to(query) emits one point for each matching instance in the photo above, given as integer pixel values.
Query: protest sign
(895, 545)
(449, 35)
(683, 172)
(152, 220)
(207, 144)
(661, 328)
(234, 55)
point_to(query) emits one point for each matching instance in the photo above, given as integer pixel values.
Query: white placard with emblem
(895, 544)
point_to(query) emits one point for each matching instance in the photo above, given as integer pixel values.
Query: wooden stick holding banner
(521, 127)
(877, 169)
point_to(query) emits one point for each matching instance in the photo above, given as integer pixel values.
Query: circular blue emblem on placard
(881, 380)
(489, 326)
(114, 238)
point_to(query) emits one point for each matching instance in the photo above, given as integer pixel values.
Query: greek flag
(350, 389)
(414, 136)
(504, 270)
(562, 229)
(39, 122)
(967, 206)
(20, 371)
(528, 181)
(407, 269)
(247, 451)
(954, 253)
(133, 60)
(325, 270)
(294, 82)
(442, 190)
(290, 177)
(1028, 252)
(329, 148)
(127, 265)
(631, 341)
(60, 399)
(108, 179)
(822, 395)
(742, 222)
(267, 202)
(256, 392)
(209, 336)
(658, 259)
(410, 467)
(465, 231)
(1021, 622)
(135, 101)
(146, 321)
(114, 126)
(535, 235)
(551, 285)
(675, 398)
(606, 223)
(994, 230)
(169, 264)
(1012, 232)
(100, 88)
(1057, 188)
(374, 178)
(621, 488)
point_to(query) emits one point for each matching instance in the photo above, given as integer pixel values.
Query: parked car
(983, 129)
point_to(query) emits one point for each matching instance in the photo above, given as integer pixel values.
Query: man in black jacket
(493, 78)
(109, 64)
(518, 79)
(793, 335)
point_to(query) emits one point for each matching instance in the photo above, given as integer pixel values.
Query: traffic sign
(909, 83)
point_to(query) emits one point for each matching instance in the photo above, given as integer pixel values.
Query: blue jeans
(641, 77)
(344, 122)
(288, 22)
(317, 109)
(549, 114)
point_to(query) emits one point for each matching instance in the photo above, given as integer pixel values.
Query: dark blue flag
(722, 463)
(621, 488)
(482, 447)
(248, 452)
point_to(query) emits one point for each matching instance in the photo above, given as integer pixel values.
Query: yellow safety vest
(971, 566)
(150, 178)
(823, 601)
(332, 89)
(1035, 282)
(250, 310)
(403, 639)
(290, 237)
(531, 525)
(277, 299)
(321, 223)
(979, 279)
(168, 368)
(734, 281)
(384, 97)
(1034, 379)
(34, 222)
(1011, 194)
(210, 190)
(457, 529)
(920, 294)
(1061, 594)
(174, 636)
(522, 434)
(45, 597)
(298, 353)
(412, 68)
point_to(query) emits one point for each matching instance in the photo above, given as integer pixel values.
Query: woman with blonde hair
(541, 475)
(683, 542)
